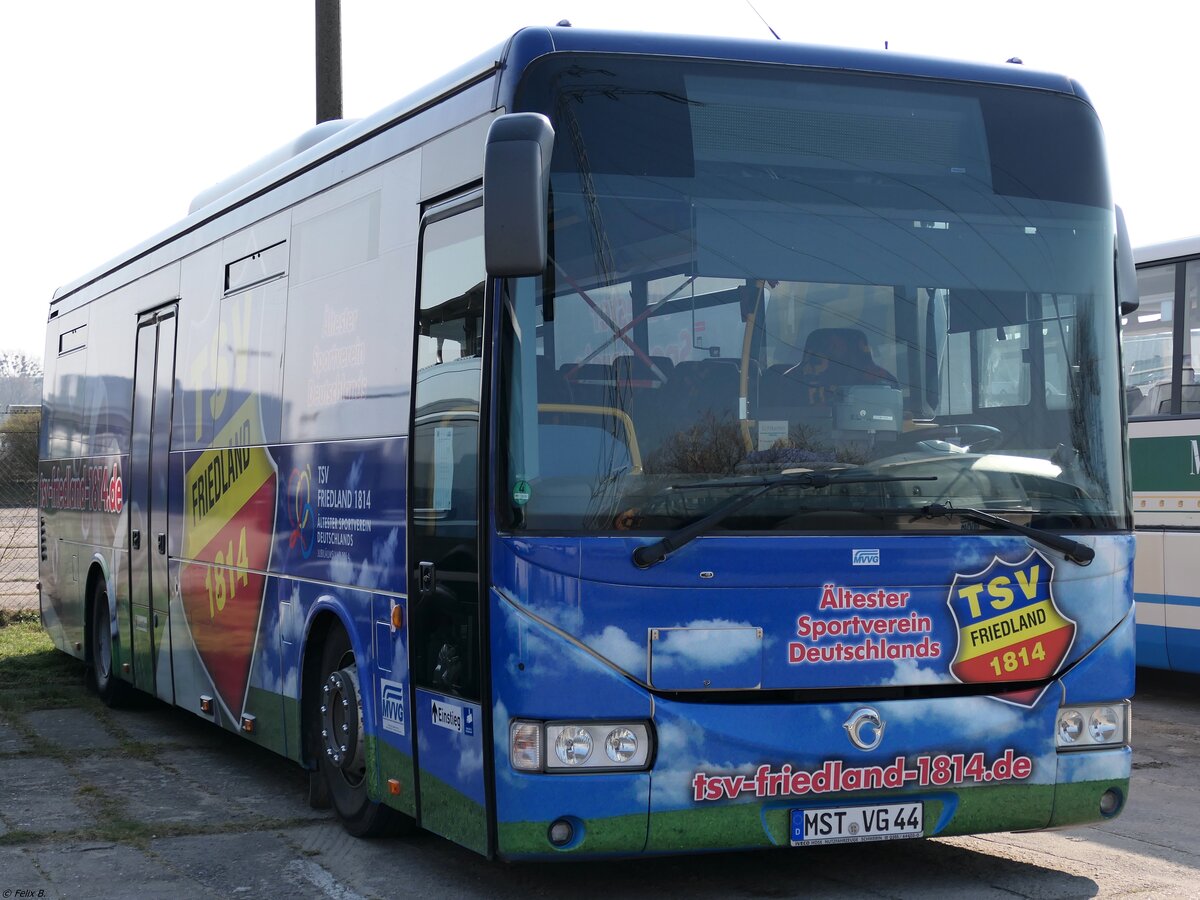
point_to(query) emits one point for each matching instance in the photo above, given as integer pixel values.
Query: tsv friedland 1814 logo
(1009, 627)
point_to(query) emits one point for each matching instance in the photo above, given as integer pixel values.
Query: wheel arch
(98, 572)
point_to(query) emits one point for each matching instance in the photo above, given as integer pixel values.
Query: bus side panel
(1148, 593)
(62, 475)
(266, 706)
(340, 522)
(392, 743)
(289, 351)
(350, 309)
(1181, 583)
(325, 517)
(1164, 457)
(50, 591)
(245, 675)
(227, 414)
(84, 467)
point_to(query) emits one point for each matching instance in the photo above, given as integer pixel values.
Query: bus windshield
(756, 270)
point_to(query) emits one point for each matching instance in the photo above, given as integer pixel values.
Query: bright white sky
(118, 113)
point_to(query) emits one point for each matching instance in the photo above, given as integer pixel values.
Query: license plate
(850, 824)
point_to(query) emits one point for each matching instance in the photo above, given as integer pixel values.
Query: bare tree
(20, 380)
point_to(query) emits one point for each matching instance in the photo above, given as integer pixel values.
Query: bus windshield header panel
(761, 269)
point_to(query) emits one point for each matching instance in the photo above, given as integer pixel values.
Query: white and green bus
(1160, 344)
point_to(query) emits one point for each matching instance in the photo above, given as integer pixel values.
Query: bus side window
(1189, 387)
(1147, 339)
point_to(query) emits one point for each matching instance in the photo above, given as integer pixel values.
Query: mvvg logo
(865, 558)
(391, 695)
(1195, 457)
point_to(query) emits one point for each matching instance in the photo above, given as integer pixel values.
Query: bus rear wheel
(101, 677)
(339, 742)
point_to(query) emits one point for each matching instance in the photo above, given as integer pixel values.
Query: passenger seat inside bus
(700, 394)
(1189, 399)
(552, 387)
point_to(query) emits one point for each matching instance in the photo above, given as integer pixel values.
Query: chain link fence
(18, 508)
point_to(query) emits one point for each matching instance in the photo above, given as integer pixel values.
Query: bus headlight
(1090, 727)
(573, 746)
(621, 745)
(1070, 727)
(576, 746)
(1103, 724)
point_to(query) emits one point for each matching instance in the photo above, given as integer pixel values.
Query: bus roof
(510, 59)
(532, 42)
(1168, 250)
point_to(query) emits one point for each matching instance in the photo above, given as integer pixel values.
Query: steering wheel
(967, 434)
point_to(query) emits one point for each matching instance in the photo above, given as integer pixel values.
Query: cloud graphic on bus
(708, 643)
(470, 763)
(1098, 767)
(683, 744)
(911, 671)
(618, 648)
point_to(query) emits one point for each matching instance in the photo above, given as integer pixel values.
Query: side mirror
(516, 187)
(1127, 286)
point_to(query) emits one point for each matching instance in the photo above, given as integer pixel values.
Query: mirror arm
(1126, 273)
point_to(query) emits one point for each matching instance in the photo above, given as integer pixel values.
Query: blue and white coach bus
(1161, 345)
(628, 444)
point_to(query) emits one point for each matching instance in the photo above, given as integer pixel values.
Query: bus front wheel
(339, 742)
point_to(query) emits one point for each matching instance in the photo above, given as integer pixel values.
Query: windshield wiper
(648, 555)
(1072, 550)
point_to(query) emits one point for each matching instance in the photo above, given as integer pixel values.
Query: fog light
(1103, 724)
(573, 746)
(1110, 802)
(561, 832)
(1070, 726)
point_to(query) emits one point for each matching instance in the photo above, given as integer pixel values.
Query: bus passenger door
(443, 509)
(153, 389)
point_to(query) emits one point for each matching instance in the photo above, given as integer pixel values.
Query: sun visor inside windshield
(856, 129)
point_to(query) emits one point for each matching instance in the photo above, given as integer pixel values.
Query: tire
(101, 677)
(333, 707)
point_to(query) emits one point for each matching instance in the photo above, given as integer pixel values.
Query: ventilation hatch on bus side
(256, 268)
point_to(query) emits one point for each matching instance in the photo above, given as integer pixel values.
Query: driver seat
(839, 356)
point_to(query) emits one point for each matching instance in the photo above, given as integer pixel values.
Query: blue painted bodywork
(572, 638)
(1165, 646)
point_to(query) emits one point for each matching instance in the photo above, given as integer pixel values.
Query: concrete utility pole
(329, 60)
